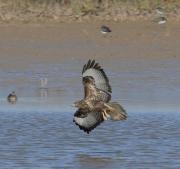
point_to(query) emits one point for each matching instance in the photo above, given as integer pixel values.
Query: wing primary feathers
(88, 64)
(96, 66)
(92, 64)
(83, 69)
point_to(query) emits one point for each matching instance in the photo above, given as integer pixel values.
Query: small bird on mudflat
(12, 98)
(105, 29)
(162, 20)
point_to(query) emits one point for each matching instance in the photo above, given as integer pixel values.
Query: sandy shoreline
(29, 11)
(23, 44)
(141, 58)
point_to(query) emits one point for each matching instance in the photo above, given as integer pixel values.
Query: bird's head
(88, 80)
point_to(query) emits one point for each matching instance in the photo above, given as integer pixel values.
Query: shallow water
(38, 131)
(139, 85)
(51, 140)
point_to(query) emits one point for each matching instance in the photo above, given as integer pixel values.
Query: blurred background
(60, 10)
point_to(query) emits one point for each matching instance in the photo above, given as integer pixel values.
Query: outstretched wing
(87, 121)
(95, 82)
(115, 111)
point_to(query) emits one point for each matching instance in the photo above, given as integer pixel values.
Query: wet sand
(21, 45)
(141, 58)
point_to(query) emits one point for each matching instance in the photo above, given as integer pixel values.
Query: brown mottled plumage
(95, 107)
(12, 98)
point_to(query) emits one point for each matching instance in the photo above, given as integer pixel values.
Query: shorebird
(43, 87)
(105, 29)
(12, 98)
(43, 83)
(95, 107)
(162, 20)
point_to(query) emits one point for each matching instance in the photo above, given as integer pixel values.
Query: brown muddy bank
(23, 44)
(30, 11)
(141, 59)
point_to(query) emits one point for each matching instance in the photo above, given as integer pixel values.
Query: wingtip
(95, 65)
(89, 64)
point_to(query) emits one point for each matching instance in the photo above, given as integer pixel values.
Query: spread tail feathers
(115, 111)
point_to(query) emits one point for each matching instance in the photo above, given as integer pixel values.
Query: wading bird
(95, 107)
(162, 20)
(12, 98)
(105, 29)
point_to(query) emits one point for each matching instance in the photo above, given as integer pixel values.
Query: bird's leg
(107, 115)
(104, 115)
(109, 107)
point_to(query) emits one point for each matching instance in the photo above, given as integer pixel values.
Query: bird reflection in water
(87, 161)
(43, 88)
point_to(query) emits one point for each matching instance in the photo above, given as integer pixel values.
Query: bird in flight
(96, 107)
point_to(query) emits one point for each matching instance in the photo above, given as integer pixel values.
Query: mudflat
(141, 59)
(23, 44)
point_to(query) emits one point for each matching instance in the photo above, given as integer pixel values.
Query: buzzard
(96, 107)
